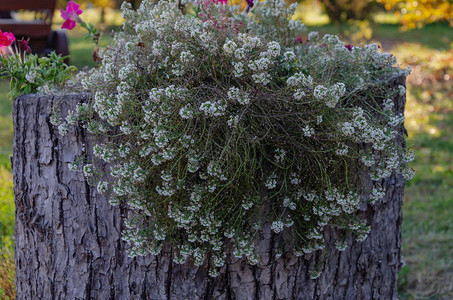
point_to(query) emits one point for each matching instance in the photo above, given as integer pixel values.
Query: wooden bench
(42, 39)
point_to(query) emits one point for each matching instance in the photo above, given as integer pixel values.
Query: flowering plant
(29, 73)
(6, 38)
(71, 17)
(221, 124)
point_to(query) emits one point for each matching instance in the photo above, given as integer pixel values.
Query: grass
(428, 205)
(6, 196)
(428, 200)
(7, 289)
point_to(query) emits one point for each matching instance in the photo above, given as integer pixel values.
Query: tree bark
(68, 237)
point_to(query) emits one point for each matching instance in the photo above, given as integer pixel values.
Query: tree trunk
(68, 237)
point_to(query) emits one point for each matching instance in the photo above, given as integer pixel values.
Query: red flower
(23, 45)
(349, 47)
(70, 15)
(6, 38)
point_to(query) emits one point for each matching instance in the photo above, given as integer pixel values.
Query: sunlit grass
(311, 13)
(6, 234)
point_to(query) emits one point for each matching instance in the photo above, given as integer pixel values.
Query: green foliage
(340, 11)
(92, 32)
(29, 73)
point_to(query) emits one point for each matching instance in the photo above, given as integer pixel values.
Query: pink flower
(349, 47)
(6, 38)
(70, 15)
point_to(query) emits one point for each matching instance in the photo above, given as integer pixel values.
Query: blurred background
(420, 34)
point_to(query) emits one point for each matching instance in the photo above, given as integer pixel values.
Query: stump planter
(68, 237)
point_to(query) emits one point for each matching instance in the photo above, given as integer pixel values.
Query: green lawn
(428, 203)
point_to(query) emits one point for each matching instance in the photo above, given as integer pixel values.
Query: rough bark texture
(68, 243)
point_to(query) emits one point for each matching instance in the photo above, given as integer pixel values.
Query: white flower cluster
(300, 80)
(330, 95)
(210, 120)
(308, 131)
(213, 108)
(277, 226)
(235, 95)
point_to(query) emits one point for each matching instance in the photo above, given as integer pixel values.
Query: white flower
(238, 69)
(63, 129)
(273, 49)
(408, 70)
(233, 121)
(279, 155)
(288, 203)
(73, 166)
(409, 156)
(342, 149)
(408, 173)
(294, 179)
(31, 76)
(368, 161)
(277, 226)
(341, 245)
(213, 108)
(300, 80)
(260, 64)
(388, 106)
(376, 194)
(186, 112)
(247, 204)
(308, 131)
(313, 36)
(263, 78)
(271, 182)
(186, 57)
(157, 48)
(289, 56)
(299, 94)
(318, 120)
(229, 47)
(88, 170)
(396, 120)
(235, 94)
(102, 187)
(240, 54)
(320, 92)
(347, 129)
(296, 25)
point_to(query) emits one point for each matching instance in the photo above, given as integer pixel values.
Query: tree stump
(68, 237)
